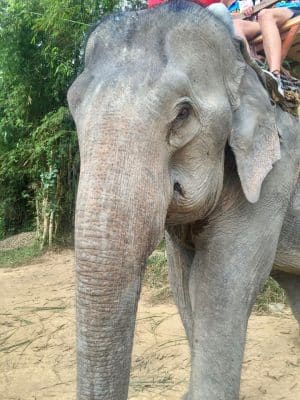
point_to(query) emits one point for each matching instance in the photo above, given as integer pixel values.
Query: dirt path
(37, 358)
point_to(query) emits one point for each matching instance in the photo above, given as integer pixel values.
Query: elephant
(178, 137)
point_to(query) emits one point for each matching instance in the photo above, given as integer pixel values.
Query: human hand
(248, 11)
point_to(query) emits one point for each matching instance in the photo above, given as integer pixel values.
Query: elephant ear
(254, 138)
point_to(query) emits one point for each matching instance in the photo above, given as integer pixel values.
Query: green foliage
(271, 293)
(41, 49)
(22, 255)
(156, 274)
(54, 164)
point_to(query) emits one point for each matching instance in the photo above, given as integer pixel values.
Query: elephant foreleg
(233, 260)
(214, 289)
(222, 301)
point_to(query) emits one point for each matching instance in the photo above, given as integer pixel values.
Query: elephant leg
(233, 259)
(214, 289)
(180, 261)
(222, 299)
(291, 284)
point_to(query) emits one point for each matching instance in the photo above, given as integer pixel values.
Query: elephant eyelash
(184, 112)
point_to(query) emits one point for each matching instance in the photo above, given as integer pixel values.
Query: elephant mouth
(189, 204)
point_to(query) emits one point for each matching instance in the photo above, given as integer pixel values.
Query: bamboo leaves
(41, 48)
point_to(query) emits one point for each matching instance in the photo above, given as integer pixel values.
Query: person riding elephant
(269, 22)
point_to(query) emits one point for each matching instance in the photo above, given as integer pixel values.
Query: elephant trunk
(119, 220)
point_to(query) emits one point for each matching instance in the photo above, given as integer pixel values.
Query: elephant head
(162, 93)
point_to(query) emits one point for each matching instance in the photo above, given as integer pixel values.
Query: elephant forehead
(122, 39)
(137, 52)
(148, 37)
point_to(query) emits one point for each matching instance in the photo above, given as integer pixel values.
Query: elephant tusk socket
(178, 188)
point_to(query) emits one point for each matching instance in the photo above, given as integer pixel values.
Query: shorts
(296, 12)
(293, 6)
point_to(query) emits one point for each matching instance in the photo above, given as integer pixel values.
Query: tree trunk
(45, 221)
(50, 234)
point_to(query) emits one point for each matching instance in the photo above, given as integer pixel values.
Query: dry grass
(271, 293)
(156, 277)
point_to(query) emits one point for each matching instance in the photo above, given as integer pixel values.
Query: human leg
(246, 30)
(270, 20)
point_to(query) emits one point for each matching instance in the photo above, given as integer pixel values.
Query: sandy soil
(37, 357)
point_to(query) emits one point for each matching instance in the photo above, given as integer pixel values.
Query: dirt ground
(37, 356)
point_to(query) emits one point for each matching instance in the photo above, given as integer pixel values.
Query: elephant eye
(184, 112)
(181, 125)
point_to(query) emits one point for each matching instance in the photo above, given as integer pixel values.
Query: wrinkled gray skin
(177, 132)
